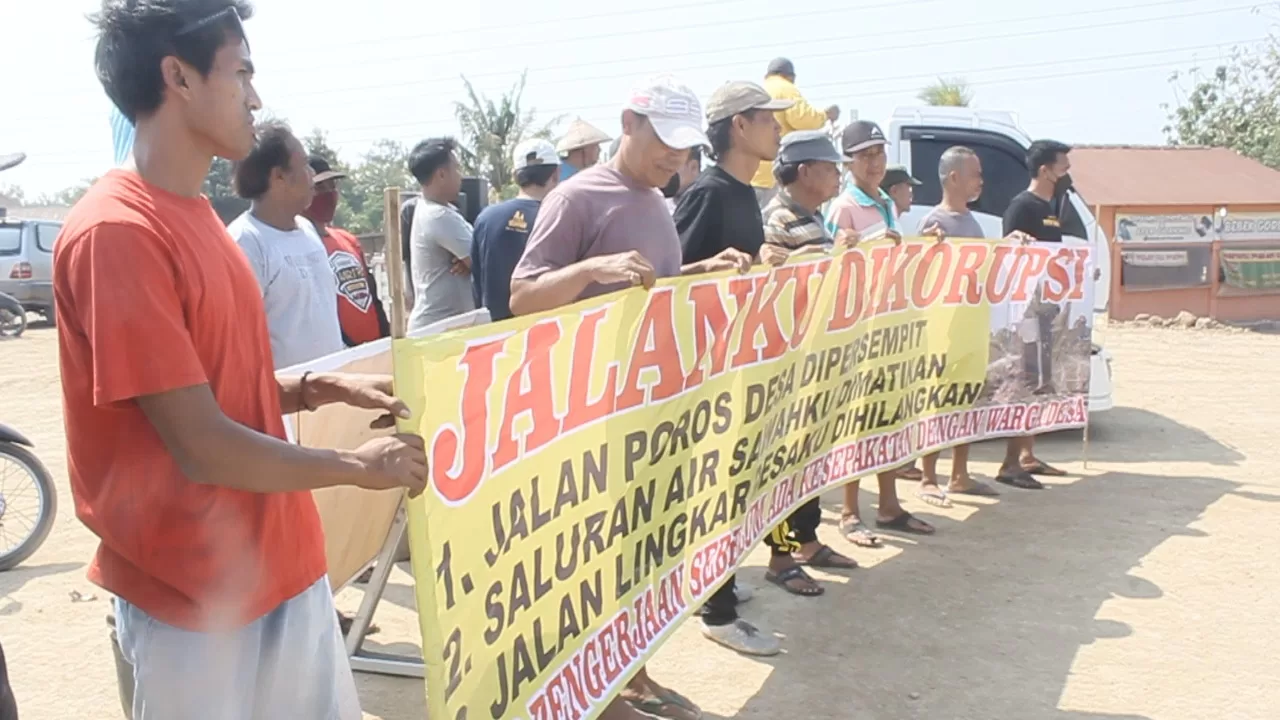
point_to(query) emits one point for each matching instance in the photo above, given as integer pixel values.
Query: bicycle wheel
(28, 504)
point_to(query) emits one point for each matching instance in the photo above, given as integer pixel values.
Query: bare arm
(550, 290)
(212, 449)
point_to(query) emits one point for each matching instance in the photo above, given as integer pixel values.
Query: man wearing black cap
(866, 210)
(360, 312)
(780, 83)
(719, 213)
(900, 187)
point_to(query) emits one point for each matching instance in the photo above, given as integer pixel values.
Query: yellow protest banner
(597, 472)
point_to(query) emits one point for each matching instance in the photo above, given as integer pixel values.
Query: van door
(1004, 174)
(41, 257)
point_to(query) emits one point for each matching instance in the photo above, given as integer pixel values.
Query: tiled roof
(1171, 175)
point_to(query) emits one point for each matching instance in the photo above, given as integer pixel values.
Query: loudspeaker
(473, 198)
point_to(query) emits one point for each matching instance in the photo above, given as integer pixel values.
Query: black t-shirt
(501, 233)
(718, 212)
(1034, 216)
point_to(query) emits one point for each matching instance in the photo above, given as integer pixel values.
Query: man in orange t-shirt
(360, 311)
(209, 538)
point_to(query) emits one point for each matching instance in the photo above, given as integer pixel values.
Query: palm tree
(492, 130)
(949, 92)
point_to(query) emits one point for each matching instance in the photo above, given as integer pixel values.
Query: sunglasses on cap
(227, 13)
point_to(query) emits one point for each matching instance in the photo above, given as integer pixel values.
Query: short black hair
(787, 173)
(135, 35)
(538, 175)
(429, 156)
(720, 133)
(1044, 152)
(252, 175)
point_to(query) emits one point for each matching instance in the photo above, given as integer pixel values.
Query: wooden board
(356, 521)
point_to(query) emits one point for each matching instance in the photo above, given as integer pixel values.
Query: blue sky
(1094, 71)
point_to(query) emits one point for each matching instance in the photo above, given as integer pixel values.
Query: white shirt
(299, 291)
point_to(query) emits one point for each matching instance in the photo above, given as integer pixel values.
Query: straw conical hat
(579, 135)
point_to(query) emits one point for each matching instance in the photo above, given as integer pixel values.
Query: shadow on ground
(982, 620)
(1127, 435)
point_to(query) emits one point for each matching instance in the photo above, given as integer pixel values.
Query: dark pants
(800, 528)
(722, 607)
(8, 708)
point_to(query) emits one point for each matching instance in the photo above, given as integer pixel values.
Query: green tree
(317, 143)
(385, 165)
(491, 131)
(67, 196)
(948, 92)
(220, 189)
(1236, 105)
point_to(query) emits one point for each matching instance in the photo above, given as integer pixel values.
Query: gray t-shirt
(600, 211)
(954, 224)
(439, 236)
(299, 290)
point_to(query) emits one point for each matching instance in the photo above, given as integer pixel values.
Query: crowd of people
(172, 327)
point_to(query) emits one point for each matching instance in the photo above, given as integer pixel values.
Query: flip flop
(669, 704)
(1022, 480)
(979, 489)
(795, 572)
(937, 498)
(1043, 468)
(909, 473)
(828, 558)
(902, 523)
(856, 532)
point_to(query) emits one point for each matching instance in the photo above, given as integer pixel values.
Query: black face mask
(672, 187)
(1063, 184)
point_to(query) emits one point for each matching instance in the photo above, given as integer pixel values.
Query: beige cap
(579, 135)
(738, 97)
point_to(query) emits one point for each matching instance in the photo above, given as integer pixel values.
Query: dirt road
(1144, 587)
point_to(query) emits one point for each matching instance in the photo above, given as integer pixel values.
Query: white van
(917, 138)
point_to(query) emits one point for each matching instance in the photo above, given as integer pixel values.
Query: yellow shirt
(800, 116)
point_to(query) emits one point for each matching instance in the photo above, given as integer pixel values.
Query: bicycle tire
(48, 505)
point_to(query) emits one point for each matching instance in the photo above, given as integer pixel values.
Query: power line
(401, 59)
(849, 84)
(533, 22)
(834, 54)
(882, 79)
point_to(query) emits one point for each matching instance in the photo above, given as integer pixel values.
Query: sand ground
(1146, 586)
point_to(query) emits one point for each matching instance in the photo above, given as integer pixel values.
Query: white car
(917, 138)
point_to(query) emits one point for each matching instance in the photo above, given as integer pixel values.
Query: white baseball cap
(532, 153)
(673, 110)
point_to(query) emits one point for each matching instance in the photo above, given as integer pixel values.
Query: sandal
(937, 498)
(1019, 479)
(828, 559)
(856, 532)
(669, 704)
(1043, 468)
(979, 489)
(911, 472)
(795, 572)
(903, 523)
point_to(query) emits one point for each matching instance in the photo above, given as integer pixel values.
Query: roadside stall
(1192, 229)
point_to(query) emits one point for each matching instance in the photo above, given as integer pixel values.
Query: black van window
(1004, 167)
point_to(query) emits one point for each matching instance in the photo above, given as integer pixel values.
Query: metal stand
(367, 660)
